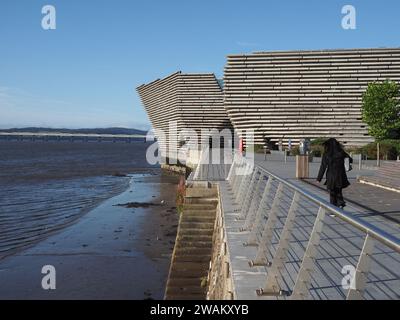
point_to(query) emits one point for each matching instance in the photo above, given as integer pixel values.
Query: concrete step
(195, 212)
(198, 206)
(195, 200)
(192, 258)
(196, 232)
(190, 282)
(189, 265)
(194, 244)
(197, 219)
(194, 238)
(197, 225)
(186, 274)
(187, 290)
(192, 251)
(201, 192)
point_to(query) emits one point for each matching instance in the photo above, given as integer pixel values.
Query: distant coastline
(84, 131)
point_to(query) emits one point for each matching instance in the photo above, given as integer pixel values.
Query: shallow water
(45, 186)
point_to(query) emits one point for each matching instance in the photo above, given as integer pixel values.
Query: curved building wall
(194, 101)
(299, 94)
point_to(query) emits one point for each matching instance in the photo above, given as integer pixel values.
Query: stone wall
(220, 285)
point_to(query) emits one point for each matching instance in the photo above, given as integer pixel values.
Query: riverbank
(115, 251)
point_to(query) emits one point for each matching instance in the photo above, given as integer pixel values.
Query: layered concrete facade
(305, 94)
(193, 101)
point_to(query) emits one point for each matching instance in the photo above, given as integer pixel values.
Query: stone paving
(376, 201)
(213, 166)
(365, 201)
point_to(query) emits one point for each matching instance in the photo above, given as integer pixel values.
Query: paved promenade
(378, 206)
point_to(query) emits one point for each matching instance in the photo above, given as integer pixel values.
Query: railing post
(230, 176)
(198, 167)
(357, 287)
(249, 195)
(255, 217)
(303, 280)
(272, 284)
(235, 178)
(238, 179)
(265, 242)
(254, 204)
(244, 184)
(241, 170)
(241, 188)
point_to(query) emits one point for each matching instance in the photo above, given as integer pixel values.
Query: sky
(84, 73)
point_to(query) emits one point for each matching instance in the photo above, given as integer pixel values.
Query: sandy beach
(116, 251)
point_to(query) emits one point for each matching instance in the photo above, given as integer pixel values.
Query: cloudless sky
(84, 73)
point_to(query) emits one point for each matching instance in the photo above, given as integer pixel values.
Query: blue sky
(84, 73)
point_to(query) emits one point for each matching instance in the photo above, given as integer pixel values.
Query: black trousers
(336, 197)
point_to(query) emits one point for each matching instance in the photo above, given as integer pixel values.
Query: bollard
(378, 158)
(360, 162)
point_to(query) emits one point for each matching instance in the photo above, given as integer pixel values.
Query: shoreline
(96, 201)
(111, 252)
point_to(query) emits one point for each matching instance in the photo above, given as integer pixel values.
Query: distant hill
(77, 131)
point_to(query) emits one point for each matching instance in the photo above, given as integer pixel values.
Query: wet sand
(31, 212)
(112, 252)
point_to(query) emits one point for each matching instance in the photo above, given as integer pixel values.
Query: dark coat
(336, 177)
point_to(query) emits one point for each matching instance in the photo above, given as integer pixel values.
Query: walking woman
(336, 178)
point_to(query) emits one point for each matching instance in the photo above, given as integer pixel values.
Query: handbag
(347, 164)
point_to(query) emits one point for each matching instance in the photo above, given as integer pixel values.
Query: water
(45, 186)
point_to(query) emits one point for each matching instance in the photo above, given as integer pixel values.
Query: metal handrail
(245, 179)
(378, 234)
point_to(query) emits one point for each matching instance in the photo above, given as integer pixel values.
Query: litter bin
(302, 160)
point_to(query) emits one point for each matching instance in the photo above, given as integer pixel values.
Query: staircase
(190, 262)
